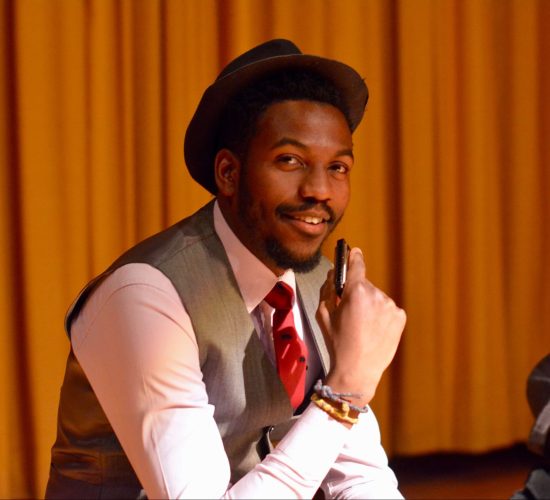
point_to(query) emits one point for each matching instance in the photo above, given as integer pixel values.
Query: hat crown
(279, 55)
(267, 50)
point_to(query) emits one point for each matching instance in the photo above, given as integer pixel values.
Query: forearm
(361, 469)
(299, 463)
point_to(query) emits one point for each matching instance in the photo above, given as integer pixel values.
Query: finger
(330, 277)
(324, 321)
(356, 265)
(323, 318)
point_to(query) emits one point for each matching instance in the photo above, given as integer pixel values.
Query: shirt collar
(254, 278)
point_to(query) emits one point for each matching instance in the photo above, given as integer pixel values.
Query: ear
(226, 172)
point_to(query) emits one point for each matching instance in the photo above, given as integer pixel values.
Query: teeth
(312, 220)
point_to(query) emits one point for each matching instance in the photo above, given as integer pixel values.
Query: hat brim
(200, 137)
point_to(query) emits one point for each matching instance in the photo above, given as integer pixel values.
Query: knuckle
(401, 317)
(358, 289)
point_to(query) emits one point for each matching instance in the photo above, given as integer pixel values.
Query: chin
(287, 259)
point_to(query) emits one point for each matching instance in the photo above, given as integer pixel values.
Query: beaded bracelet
(341, 414)
(325, 392)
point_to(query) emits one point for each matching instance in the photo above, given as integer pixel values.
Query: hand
(362, 331)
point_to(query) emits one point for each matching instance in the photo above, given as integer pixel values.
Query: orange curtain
(450, 193)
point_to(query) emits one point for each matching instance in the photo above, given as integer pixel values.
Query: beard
(279, 252)
(285, 259)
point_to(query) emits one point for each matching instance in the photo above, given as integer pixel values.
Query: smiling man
(214, 359)
(293, 186)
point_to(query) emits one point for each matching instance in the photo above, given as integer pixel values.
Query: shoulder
(129, 285)
(164, 245)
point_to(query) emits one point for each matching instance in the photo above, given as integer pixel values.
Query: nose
(315, 184)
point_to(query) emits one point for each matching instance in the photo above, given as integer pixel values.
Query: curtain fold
(449, 201)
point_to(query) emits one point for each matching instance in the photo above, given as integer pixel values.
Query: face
(294, 185)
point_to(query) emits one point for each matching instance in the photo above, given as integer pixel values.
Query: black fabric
(537, 486)
(538, 386)
(538, 396)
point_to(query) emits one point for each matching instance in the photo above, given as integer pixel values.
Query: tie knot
(280, 296)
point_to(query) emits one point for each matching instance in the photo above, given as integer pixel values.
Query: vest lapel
(308, 290)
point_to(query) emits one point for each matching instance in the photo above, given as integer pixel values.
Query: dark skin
(294, 188)
(295, 185)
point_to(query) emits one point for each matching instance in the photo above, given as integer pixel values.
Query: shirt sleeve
(361, 469)
(135, 342)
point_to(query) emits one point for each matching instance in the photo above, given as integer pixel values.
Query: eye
(290, 161)
(339, 168)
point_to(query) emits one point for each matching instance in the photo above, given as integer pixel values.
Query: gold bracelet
(342, 414)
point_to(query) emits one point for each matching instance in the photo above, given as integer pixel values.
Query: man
(193, 351)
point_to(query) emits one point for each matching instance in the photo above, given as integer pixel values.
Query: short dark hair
(243, 111)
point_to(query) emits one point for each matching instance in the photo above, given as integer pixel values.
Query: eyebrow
(293, 142)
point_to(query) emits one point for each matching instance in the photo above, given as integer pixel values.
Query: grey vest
(240, 380)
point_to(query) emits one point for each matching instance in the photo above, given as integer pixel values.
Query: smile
(309, 219)
(309, 226)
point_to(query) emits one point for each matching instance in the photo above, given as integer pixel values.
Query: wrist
(337, 411)
(348, 383)
(337, 404)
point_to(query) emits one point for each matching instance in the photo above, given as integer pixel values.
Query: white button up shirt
(136, 344)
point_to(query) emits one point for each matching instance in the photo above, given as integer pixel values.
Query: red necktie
(290, 349)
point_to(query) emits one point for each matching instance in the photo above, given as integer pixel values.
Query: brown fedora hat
(269, 57)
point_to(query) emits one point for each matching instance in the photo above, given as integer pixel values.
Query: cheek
(267, 191)
(255, 200)
(341, 194)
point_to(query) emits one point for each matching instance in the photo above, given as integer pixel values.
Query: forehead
(309, 121)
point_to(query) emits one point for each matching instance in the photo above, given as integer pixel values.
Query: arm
(366, 326)
(139, 359)
(136, 345)
(361, 470)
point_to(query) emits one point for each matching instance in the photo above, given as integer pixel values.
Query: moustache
(321, 207)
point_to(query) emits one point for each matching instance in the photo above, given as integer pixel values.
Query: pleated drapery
(450, 199)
